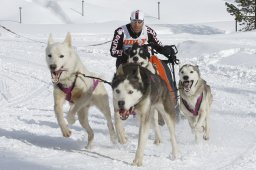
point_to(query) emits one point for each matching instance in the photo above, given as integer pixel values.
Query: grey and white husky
(136, 88)
(195, 100)
(69, 84)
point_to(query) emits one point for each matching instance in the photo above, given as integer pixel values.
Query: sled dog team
(137, 89)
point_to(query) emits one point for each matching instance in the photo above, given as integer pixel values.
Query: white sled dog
(195, 100)
(136, 88)
(69, 81)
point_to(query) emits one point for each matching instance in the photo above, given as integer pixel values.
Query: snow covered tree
(244, 12)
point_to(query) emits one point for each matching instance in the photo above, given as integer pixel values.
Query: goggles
(137, 21)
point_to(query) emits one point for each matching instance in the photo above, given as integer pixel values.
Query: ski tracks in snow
(26, 96)
(236, 89)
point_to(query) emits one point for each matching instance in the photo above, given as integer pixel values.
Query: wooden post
(82, 7)
(158, 10)
(236, 24)
(20, 15)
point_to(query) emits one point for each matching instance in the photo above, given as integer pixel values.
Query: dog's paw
(88, 146)
(71, 119)
(206, 134)
(172, 157)
(136, 162)
(113, 138)
(66, 132)
(123, 140)
(206, 137)
(157, 141)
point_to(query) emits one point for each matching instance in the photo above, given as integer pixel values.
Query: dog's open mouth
(124, 114)
(187, 85)
(56, 75)
(140, 63)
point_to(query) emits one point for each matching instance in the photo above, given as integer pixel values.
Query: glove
(155, 47)
(168, 51)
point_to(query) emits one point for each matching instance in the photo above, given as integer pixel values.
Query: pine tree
(244, 12)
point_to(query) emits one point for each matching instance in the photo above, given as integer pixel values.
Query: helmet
(137, 15)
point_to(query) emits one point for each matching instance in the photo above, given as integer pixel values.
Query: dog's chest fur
(76, 94)
(192, 97)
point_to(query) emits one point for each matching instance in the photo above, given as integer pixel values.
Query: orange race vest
(162, 73)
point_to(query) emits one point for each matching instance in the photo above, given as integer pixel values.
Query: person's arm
(167, 50)
(152, 39)
(116, 49)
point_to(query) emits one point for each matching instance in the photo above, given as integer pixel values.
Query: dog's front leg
(143, 135)
(84, 100)
(59, 100)
(200, 125)
(156, 127)
(119, 128)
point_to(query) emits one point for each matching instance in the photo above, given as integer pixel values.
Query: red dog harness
(197, 107)
(68, 90)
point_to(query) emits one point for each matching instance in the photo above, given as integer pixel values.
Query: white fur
(199, 124)
(64, 56)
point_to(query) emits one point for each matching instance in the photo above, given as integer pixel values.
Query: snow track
(30, 136)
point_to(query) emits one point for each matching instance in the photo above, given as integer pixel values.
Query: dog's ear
(113, 80)
(135, 45)
(50, 39)
(120, 70)
(197, 69)
(68, 39)
(128, 51)
(181, 67)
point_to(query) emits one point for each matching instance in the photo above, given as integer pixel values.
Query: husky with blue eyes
(138, 91)
(195, 100)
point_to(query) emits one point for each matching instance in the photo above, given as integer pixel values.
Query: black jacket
(116, 49)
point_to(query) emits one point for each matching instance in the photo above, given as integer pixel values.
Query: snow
(30, 137)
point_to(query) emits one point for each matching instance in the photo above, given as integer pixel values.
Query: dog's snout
(185, 77)
(53, 67)
(121, 104)
(135, 59)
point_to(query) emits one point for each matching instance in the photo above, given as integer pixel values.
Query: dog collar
(197, 106)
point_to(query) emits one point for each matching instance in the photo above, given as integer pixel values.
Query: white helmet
(137, 15)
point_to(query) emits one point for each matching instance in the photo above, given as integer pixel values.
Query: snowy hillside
(67, 11)
(30, 137)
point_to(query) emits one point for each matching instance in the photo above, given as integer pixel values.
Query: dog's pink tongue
(56, 76)
(124, 114)
(186, 84)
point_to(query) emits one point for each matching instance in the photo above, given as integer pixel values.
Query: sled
(165, 69)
